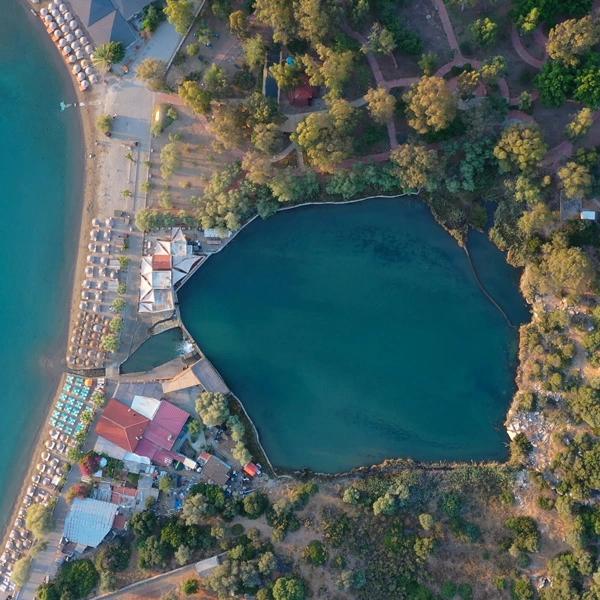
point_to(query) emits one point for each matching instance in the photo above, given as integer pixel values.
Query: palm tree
(108, 54)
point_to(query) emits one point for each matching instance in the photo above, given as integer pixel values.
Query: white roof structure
(89, 521)
(588, 215)
(217, 233)
(146, 406)
(159, 276)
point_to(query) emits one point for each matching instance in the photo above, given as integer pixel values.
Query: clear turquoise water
(356, 333)
(40, 168)
(159, 349)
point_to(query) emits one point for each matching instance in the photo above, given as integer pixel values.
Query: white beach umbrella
(64, 28)
(68, 16)
(57, 33)
(76, 45)
(85, 63)
(94, 78)
(48, 18)
(72, 59)
(67, 50)
(90, 49)
(76, 68)
(69, 37)
(63, 8)
(79, 53)
(50, 5)
(52, 27)
(43, 12)
(60, 19)
(62, 43)
(84, 41)
(73, 24)
(54, 12)
(79, 32)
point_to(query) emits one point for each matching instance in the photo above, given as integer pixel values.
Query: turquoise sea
(357, 333)
(41, 170)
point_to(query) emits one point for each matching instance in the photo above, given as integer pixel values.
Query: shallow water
(41, 171)
(356, 333)
(159, 349)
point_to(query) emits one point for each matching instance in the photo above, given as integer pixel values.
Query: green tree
(555, 82)
(255, 50)
(165, 483)
(113, 557)
(215, 79)
(104, 123)
(581, 123)
(314, 19)
(523, 589)
(255, 505)
(212, 408)
(576, 179)
(238, 22)
(587, 86)
(279, 16)
(384, 505)
(418, 166)
(267, 563)
(265, 137)
(426, 521)
(108, 54)
(180, 14)
(190, 586)
(241, 453)
(21, 569)
(152, 71)
(333, 69)
(431, 106)
(315, 553)
(289, 588)
(381, 104)
(326, 136)
(197, 98)
(520, 147)
(585, 404)
(526, 535)
(183, 555)
(484, 31)
(572, 38)
(39, 519)
(381, 41)
(286, 75)
(152, 553)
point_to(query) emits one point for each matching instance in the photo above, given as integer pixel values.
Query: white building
(171, 261)
(89, 521)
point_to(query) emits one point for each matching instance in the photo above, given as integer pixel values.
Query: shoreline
(58, 369)
(279, 471)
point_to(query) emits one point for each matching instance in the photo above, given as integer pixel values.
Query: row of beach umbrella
(71, 41)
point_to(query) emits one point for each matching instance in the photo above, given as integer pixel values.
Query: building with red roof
(161, 262)
(153, 439)
(121, 425)
(303, 94)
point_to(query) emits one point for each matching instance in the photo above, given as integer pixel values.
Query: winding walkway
(523, 53)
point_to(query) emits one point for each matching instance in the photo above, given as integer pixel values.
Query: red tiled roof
(146, 448)
(121, 425)
(120, 522)
(123, 495)
(161, 262)
(251, 469)
(166, 425)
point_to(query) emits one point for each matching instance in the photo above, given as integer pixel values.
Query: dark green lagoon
(41, 166)
(356, 333)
